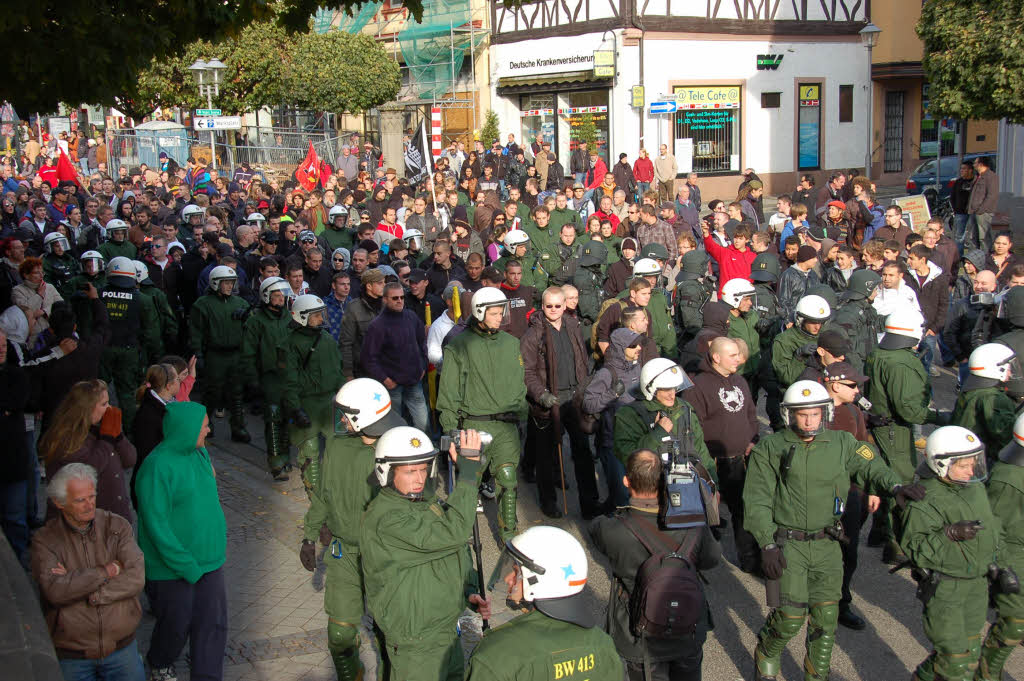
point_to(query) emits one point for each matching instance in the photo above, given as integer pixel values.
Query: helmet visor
(972, 467)
(415, 242)
(1012, 368)
(509, 559)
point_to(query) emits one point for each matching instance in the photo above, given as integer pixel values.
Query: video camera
(688, 493)
(452, 438)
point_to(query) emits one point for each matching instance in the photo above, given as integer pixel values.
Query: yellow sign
(638, 96)
(604, 64)
(810, 91)
(916, 209)
(708, 97)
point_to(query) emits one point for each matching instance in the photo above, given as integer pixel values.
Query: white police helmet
(402, 446)
(271, 284)
(256, 219)
(141, 271)
(191, 209)
(662, 373)
(304, 306)
(116, 225)
(949, 449)
(515, 238)
(1013, 453)
(806, 395)
(221, 273)
(121, 267)
(335, 211)
(366, 404)
(485, 298)
(413, 237)
(55, 238)
(812, 309)
(94, 257)
(994, 361)
(645, 267)
(735, 290)
(904, 328)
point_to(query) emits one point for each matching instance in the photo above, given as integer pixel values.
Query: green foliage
(490, 131)
(974, 58)
(586, 131)
(340, 72)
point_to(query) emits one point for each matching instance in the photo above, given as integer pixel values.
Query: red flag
(66, 169)
(308, 172)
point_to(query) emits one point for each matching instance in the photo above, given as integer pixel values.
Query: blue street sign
(666, 107)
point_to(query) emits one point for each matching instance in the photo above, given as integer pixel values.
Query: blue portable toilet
(153, 137)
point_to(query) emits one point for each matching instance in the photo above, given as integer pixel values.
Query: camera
(864, 403)
(452, 438)
(688, 496)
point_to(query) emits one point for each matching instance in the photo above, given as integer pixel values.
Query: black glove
(877, 420)
(772, 561)
(301, 418)
(325, 535)
(914, 492)
(547, 400)
(618, 388)
(964, 530)
(807, 349)
(942, 418)
(307, 554)
(1006, 581)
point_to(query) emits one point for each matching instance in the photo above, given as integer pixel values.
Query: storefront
(707, 129)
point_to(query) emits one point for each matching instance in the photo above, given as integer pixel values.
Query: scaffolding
(431, 55)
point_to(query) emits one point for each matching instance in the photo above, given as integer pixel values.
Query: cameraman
(970, 320)
(678, 659)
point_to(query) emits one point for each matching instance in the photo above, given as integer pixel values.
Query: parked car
(922, 180)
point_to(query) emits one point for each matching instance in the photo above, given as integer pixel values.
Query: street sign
(207, 112)
(663, 108)
(217, 123)
(638, 96)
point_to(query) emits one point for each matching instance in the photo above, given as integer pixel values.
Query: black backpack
(667, 599)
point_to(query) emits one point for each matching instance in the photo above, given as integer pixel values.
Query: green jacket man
(857, 317)
(117, 243)
(518, 247)
(337, 233)
(738, 294)
(811, 313)
(983, 406)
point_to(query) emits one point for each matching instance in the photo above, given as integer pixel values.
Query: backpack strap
(684, 548)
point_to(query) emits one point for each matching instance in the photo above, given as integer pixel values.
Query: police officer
(310, 362)
(661, 417)
(561, 257)
(193, 218)
(1006, 496)
(693, 291)
(483, 386)
(117, 243)
(91, 271)
(811, 313)
(951, 538)
(415, 555)
(545, 570)
(265, 330)
(764, 272)
(131, 332)
(1012, 314)
(215, 333)
(518, 247)
(59, 264)
(796, 482)
(983, 406)
(158, 308)
(364, 415)
(898, 390)
(661, 330)
(738, 295)
(857, 317)
(338, 234)
(589, 280)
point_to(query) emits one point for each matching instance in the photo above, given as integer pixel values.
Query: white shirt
(438, 330)
(888, 299)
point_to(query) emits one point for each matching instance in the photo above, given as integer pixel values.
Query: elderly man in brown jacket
(555, 367)
(90, 572)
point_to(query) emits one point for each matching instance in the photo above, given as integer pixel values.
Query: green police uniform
(340, 501)
(167, 322)
(861, 324)
(419, 573)
(693, 291)
(264, 331)
(113, 249)
(532, 274)
(535, 647)
(955, 614)
(744, 327)
(132, 336)
(151, 321)
(59, 271)
(565, 216)
(770, 323)
(338, 238)
(483, 387)
(80, 302)
(1006, 496)
(897, 389)
(561, 261)
(786, 358)
(636, 428)
(589, 281)
(988, 413)
(540, 238)
(790, 498)
(310, 363)
(215, 334)
(662, 331)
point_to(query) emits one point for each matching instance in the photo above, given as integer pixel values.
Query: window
(708, 121)
(771, 100)
(846, 104)
(809, 144)
(537, 117)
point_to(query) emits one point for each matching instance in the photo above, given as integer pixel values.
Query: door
(894, 131)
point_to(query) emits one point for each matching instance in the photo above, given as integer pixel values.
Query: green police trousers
(502, 459)
(120, 367)
(320, 410)
(896, 444)
(953, 619)
(432, 658)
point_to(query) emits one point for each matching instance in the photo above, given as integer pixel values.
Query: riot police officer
(1006, 496)
(310, 362)
(661, 330)
(857, 317)
(337, 234)
(131, 332)
(415, 555)
(561, 257)
(764, 272)
(811, 313)
(1012, 314)
(589, 280)
(738, 295)
(91, 271)
(483, 386)
(545, 570)
(951, 537)
(796, 482)
(156, 307)
(693, 290)
(364, 415)
(662, 418)
(983, 406)
(518, 247)
(117, 243)
(59, 264)
(898, 391)
(265, 330)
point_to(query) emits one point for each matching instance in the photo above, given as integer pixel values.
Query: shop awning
(568, 80)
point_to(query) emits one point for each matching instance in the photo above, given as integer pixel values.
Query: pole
(213, 147)
(870, 119)
(556, 427)
(477, 545)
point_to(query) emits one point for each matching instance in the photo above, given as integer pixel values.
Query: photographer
(970, 321)
(669, 658)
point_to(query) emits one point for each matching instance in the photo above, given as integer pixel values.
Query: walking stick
(556, 422)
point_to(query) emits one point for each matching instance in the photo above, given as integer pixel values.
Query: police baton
(477, 546)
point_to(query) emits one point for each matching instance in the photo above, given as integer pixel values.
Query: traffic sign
(663, 108)
(207, 112)
(217, 123)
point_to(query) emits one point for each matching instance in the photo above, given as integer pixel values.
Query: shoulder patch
(865, 452)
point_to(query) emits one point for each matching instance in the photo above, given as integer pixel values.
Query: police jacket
(626, 554)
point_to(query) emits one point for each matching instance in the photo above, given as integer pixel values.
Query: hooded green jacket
(989, 414)
(786, 360)
(182, 530)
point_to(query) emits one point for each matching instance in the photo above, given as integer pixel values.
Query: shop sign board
(705, 97)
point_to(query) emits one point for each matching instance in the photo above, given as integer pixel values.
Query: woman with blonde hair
(161, 386)
(86, 429)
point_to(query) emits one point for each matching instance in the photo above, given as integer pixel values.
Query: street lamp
(207, 75)
(869, 38)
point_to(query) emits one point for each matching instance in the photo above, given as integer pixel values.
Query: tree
(340, 72)
(974, 58)
(94, 51)
(490, 131)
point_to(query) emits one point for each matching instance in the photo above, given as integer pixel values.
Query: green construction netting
(338, 20)
(435, 49)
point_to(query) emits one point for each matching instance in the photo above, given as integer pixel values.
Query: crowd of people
(497, 305)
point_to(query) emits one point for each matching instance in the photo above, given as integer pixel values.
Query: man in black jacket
(675, 658)
(960, 198)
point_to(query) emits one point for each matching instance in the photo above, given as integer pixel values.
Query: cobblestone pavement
(277, 628)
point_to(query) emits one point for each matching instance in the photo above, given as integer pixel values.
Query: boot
(238, 431)
(892, 554)
(1001, 640)
(276, 462)
(765, 668)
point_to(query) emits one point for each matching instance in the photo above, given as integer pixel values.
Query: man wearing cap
(796, 279)
(843, 383)
(418, 298)
(358, 315)
(618, 274)
(830, 191)
(834, 220)
(831, 347)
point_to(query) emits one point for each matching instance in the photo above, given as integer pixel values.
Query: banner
(308, 172)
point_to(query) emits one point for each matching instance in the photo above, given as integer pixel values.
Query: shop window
(809, 142)
(537, 117)
(582, 110)
(846, 104)
(707, 129)
(771, 100)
